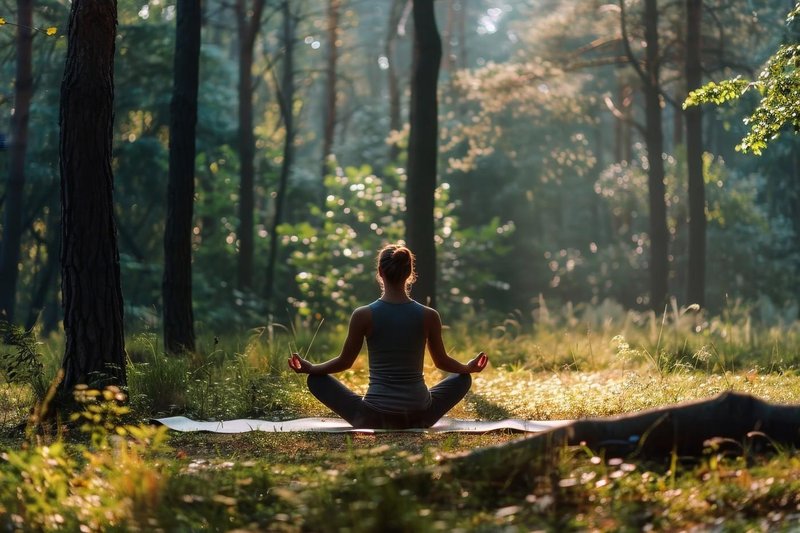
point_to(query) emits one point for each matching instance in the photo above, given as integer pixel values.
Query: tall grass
(565, 362)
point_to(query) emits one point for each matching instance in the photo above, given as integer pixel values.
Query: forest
(602, 195)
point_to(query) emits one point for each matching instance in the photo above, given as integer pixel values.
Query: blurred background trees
(546, 175)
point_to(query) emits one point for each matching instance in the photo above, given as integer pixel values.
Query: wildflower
(703, 354)
(622, 344)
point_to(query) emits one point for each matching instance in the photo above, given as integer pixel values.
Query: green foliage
(20, 360)
(779, 87)
(718, 92)
(46, 487)
(364, 212)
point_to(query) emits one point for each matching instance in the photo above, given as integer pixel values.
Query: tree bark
(248, 24)
(329, 122)
(177, 281)
(287, 110)
(423, 149)
(395, 123)
(685, 429)
(92, 298)
(694, 159)
(654, 139)
(12, 222)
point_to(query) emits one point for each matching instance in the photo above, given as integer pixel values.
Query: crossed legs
(350, 406)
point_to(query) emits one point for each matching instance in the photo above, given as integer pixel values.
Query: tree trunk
(622, 123)
(395, 123)
(93, 310)
(447, 39)
(12, 222)
(47, 275)
(462, 34)
(654, 139)
(177, 282)
(423, 149)
(694, 160)
(248, 26)
(329, 123)
(287, 110)
(684, 429)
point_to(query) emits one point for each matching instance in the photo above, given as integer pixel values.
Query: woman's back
(396, 347)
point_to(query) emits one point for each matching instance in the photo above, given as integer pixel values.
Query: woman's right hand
(299, 365)
(477, 363)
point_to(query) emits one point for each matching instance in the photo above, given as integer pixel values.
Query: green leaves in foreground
(779, 87)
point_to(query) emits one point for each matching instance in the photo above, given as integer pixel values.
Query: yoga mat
(337, 425)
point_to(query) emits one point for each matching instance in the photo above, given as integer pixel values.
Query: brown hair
(396, 263)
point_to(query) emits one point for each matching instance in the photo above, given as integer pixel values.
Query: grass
(570, 364)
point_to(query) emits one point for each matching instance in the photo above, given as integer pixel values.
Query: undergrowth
(112, 470)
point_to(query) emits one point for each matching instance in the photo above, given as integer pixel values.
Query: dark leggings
(350, 406)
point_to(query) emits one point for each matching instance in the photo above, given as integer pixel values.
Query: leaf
(2, 21)
(52, 30)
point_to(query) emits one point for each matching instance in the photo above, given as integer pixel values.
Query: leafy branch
(779, 87)
(49, 31)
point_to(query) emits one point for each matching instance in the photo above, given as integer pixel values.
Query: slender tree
(694, 159)
(248, 21)
(390, 44)
(329, 120)
(286, 101)
(423, 148)
(48, 273)
(654, 140)
(12, 221)
(177, 282)
(93, 310)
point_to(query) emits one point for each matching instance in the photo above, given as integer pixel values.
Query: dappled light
(411, 223)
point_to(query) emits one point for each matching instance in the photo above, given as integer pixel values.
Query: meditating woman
(397, 329)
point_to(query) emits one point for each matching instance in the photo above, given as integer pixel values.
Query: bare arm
(360, 322)
(433, 329)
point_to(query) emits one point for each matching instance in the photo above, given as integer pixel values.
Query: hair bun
(396, 263)
(401, 255)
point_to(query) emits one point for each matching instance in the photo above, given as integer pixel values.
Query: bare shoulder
(361, 313)
(361, 318)
(430, 315)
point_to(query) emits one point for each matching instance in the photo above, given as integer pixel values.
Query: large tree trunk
(654, 139)
(248, 23)
(395, 123)
(95, 342)
(423, 149)
(287, 110)
(694, 159)
(329, 121)
(684, 429)
(177, 282)
(12, 222)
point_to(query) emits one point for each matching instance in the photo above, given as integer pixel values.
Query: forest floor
(143, 477)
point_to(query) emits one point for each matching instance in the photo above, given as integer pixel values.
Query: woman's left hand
(299, 365)
(477, 363)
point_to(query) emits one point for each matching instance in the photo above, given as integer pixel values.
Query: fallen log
(684, 429)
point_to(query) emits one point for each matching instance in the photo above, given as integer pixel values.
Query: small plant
(20, 360)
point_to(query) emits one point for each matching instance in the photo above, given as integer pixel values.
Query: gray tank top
(396, 349)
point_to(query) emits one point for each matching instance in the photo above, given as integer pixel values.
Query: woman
(397, 329)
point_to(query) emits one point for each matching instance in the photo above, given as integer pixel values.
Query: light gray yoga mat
(337, 425)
